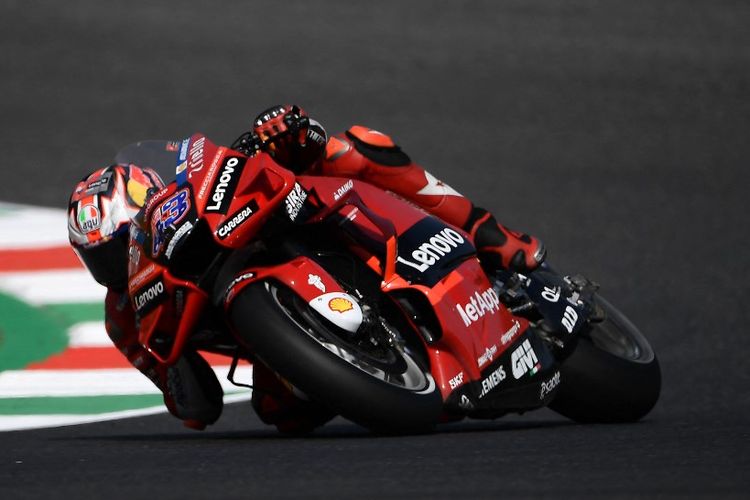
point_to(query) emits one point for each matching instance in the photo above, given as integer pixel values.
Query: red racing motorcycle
(366, 304)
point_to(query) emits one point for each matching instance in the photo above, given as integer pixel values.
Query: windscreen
(160, 155)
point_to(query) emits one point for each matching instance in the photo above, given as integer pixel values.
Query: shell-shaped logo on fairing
(340, 305)
(340, 309)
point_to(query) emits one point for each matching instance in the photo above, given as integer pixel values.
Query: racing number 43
(167, 215)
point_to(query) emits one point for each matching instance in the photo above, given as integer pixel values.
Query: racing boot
(500, 247)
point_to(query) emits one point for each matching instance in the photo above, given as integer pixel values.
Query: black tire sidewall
(324, 377)
(597, 386)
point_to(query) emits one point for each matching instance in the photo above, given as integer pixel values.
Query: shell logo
(340, 305)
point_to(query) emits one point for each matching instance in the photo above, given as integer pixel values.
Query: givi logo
(524, 360)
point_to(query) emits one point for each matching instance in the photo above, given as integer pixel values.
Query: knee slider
(377, 147)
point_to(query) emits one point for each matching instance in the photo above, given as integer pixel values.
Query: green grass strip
(77, 405)
(28, 334)
(70, 314)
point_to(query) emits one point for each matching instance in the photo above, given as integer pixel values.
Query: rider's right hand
(282, 128)
(290, 136)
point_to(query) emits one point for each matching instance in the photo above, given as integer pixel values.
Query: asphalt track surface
(616, 131)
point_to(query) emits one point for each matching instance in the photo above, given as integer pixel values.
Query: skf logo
(524, 360)
(340, 305)
(457, 380)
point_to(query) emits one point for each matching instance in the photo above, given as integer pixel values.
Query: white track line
(25, 422)
(23, 226)
(110, 382)
(88, 334)
(69, 286)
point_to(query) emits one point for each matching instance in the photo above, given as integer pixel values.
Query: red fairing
(235, 194)
(477, 328)
(306, 277)
(331, 191)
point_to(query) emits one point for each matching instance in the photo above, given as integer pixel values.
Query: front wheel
(380, 385)
(612, 376)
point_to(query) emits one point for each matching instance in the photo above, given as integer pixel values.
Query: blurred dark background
(616, 131)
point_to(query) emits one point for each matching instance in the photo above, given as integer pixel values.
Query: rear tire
(280, 328)
(612, 376)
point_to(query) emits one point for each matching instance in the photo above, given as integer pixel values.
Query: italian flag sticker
(57, 365)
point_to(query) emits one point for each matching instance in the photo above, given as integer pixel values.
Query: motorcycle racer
(104, 202)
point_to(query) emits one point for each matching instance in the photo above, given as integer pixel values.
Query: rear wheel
(372, 377)
(612, 376)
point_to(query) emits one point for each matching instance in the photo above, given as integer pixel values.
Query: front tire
(612, 376)
(386, 391)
